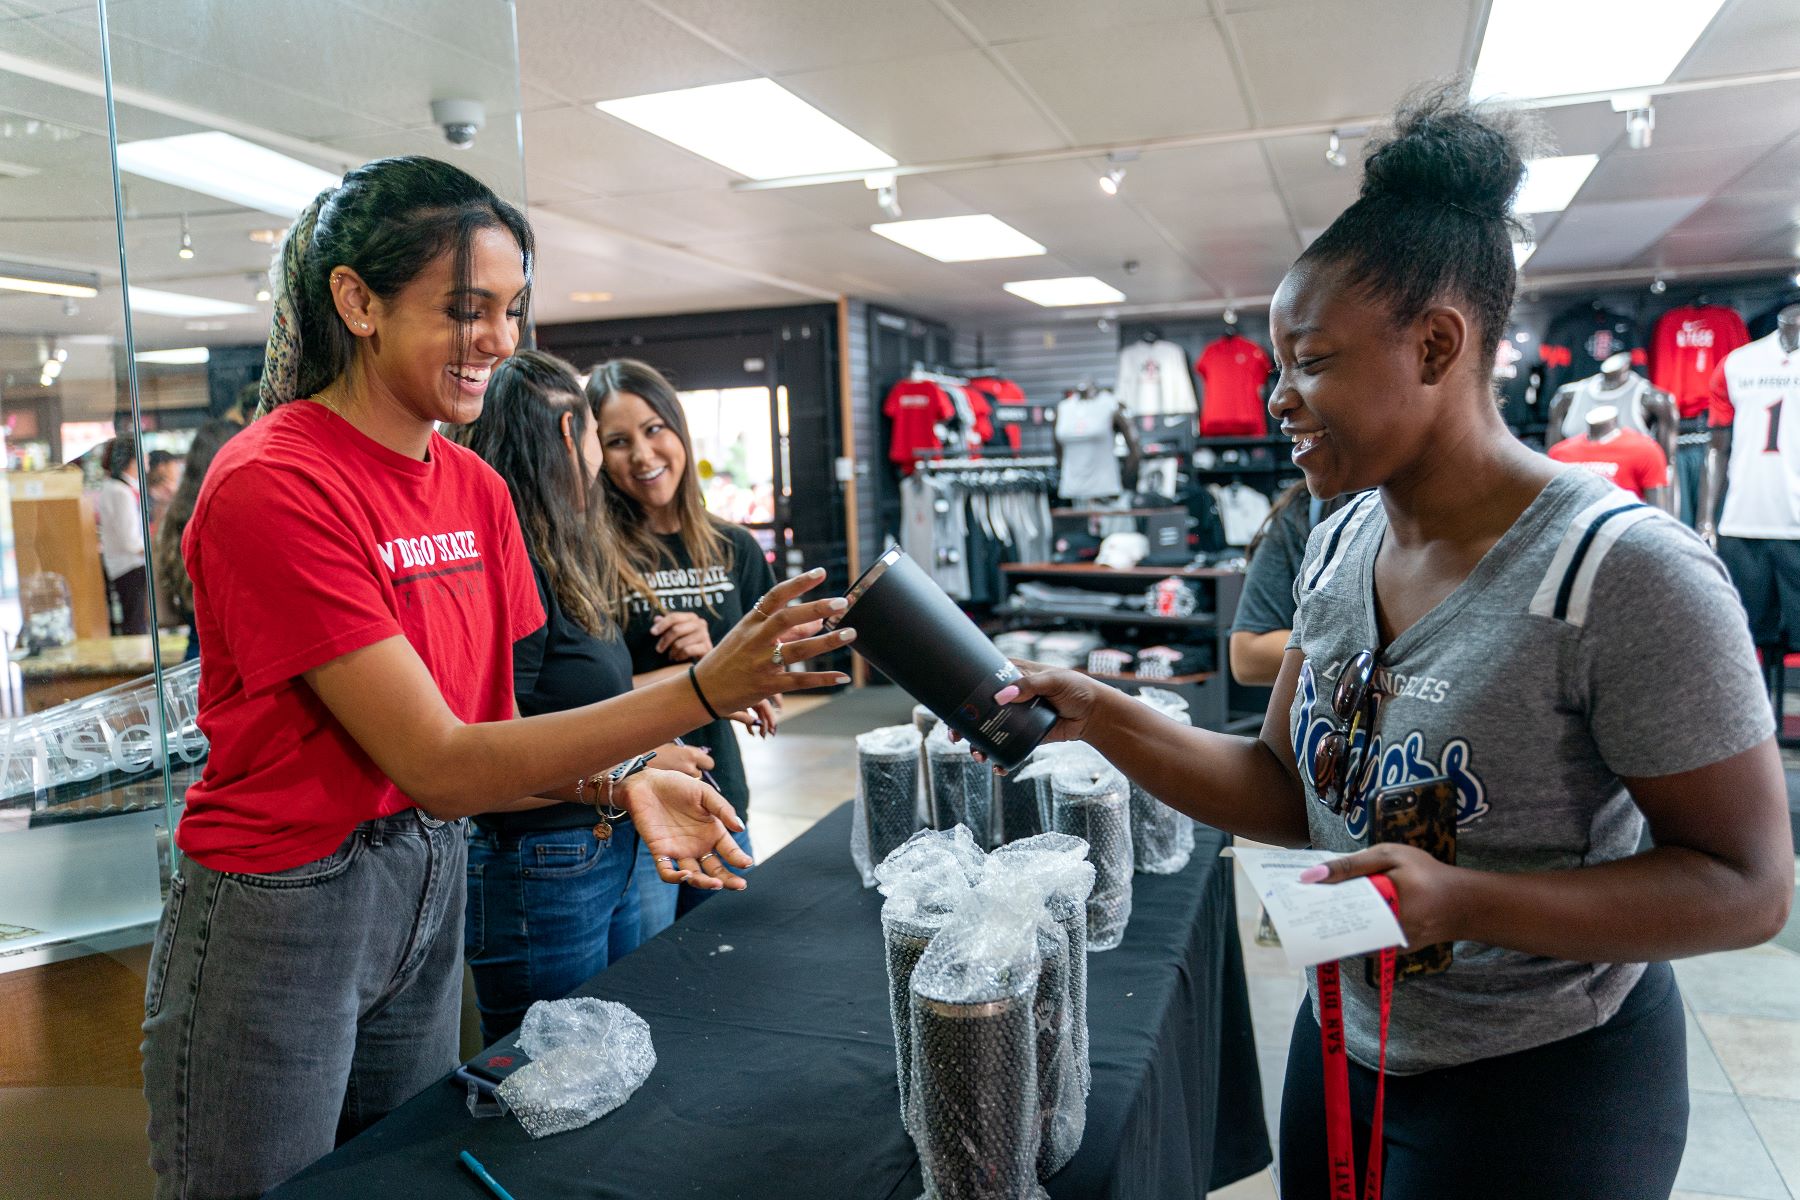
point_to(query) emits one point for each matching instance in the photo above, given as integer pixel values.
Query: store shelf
(1150, 680)
(1169, 510)
(1090, 571)
(1114, 616)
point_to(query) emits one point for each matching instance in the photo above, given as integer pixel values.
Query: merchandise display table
(775, 1060)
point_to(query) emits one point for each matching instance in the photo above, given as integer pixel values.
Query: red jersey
(1234, 369)
(1689, 345)
(1626, 457)
(914, 406)
(1000, 392)
(310, 540)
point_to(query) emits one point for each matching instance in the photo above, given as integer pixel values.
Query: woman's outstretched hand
(688, 827)
(751, 663)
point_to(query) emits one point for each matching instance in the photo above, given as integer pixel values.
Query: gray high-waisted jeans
(286, 1012)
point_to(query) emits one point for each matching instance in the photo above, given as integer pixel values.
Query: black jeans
(1598, 1116)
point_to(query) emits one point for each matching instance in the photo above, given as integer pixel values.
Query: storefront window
(223, 121)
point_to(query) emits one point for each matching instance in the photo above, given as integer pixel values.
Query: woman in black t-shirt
(549, 905)
(688, 576)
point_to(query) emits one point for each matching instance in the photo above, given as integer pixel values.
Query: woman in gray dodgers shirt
(1573, 661)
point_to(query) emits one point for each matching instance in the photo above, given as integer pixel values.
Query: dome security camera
(460, 120)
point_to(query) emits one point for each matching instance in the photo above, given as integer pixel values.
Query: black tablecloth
(775, 1060)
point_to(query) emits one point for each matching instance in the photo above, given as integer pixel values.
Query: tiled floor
(1743, 1006)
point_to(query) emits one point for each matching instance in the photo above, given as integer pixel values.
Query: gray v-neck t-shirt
(1599, 639)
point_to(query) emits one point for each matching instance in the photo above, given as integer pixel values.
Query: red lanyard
(1337, 1071)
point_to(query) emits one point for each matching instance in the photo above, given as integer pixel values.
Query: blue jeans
(661, 903)
(547, 911)
(331, 993)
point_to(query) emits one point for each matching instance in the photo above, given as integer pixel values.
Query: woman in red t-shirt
(359, 582)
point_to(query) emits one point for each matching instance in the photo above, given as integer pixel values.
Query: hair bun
(1442, 150)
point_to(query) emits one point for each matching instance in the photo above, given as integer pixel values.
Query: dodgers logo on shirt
(1389, 762)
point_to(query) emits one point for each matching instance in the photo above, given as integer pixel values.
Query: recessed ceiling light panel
(1061, 293)
(1550, 183)
(1551, 47)
(973, 238)
(178, 304)
(755, 127)
(218, 164)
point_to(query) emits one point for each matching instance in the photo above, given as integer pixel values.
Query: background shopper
(359, 582)
(549, 905)
(688, 576)
(1553, 648)
(122, 536)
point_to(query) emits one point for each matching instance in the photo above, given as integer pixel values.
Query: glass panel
(98, 740)
(735, 451)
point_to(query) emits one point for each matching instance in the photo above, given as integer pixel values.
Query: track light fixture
(1334, 151)
(259, 286)
(886, 187)
(1658, 286)
(187, 240)
(1109, 182)
(1640, 118)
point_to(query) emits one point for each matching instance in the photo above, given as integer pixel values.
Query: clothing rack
(1026, 462)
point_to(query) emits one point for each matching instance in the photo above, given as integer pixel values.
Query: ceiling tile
(924, 124)
(1654, 173)
(853, 206)
(1583, 128)
(805, 35)
(1310, 62)
(1144, 81)
(1599, 236)
(1748, 35)
(1705, 249)
(1021, 20)
(586, 149)
(694, 217)
(605, 49)
(1213, 188)
(1316, 191)
(1742, 116)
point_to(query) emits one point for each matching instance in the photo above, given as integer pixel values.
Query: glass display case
(151, 157)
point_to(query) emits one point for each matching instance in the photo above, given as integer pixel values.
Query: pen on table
(480, 1172)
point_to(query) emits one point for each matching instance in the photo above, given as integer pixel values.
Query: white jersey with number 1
(1756, 391)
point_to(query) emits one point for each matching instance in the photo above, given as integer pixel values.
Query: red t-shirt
(914, 406)
(1627, 458)
(311, 540)
(1689, 345)
(1234, 369)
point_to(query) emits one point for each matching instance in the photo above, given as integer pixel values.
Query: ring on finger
(777, 658)
(709, 854)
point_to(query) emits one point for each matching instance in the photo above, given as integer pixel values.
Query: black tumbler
(890, 788)
(1016, 801)
(915, 635)
(907, 942)
(978, 1117)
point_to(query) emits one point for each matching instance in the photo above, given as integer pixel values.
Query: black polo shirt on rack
(721, 595)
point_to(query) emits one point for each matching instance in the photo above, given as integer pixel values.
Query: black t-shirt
(722, 595)
(560, 666)
(1579, 340)
(1267, 602)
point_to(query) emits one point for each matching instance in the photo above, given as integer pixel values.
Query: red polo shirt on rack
(311, 540)
(915, 406)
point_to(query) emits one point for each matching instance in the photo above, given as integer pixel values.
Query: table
(775, 1060)
(88, 665)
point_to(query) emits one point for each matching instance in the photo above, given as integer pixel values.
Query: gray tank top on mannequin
(1629, 398)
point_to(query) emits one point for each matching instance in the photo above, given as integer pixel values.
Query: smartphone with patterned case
(1421, 813)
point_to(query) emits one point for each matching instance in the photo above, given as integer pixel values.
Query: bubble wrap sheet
(1162, 838)
(961, 793)
(1060, 874)
(887, 795)
(925, 881)
(587, 1057)
(977, 1107)
(1095, 806)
